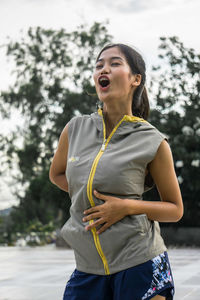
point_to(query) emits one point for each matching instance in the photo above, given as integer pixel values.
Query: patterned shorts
(141, 282)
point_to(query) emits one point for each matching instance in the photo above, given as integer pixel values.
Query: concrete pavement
(41, 273)
(185, 265)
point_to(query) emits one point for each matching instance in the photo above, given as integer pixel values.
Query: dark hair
(140, 103)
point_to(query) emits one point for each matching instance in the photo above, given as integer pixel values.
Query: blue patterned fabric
(162, 277)
(142, 282)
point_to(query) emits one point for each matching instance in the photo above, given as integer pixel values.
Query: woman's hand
(105, 214)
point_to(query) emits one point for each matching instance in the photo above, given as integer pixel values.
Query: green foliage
(53, 76)
(35, 234)
(53, 71)
(42, 202)
(176, 88)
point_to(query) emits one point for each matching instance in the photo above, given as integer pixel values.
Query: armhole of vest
(159, 138)
(149, 182)
(71, 125)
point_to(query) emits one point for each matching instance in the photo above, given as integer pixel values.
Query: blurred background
(47, 55)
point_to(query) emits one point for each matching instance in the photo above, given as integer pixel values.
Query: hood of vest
(126, 127)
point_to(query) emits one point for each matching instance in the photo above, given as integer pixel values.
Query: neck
(113, 115)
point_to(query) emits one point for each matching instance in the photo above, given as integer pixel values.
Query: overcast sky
(139, 23)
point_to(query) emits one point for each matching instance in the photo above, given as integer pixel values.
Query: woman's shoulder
(154, 130)
(81, 123)
(78, 119)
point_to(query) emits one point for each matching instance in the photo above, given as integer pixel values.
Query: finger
(103, 228)
(91, 210)
(100, 196)
(95, 224)
(91, 217)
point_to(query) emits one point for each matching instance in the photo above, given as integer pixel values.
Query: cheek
(122, 80)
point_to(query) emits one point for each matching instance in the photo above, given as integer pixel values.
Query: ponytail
(140, 103)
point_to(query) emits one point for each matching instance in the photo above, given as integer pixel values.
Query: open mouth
(104, 82)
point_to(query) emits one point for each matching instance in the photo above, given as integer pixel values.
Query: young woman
(106, 161)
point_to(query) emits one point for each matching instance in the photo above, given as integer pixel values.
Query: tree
(176, 87)
(53, 71)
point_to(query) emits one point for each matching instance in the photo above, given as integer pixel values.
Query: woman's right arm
(59, 162)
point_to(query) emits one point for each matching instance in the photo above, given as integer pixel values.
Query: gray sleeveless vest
(113, 166)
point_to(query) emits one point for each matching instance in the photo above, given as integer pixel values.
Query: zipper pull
(103, 147)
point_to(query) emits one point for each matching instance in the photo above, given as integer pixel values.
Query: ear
(136, 80)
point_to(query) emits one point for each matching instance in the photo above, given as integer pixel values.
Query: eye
(115, 64)
(98, 66)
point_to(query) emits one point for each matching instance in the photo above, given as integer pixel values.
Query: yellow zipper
(91, 178)
(90, 195)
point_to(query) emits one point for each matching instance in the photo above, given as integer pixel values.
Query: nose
(105, 69)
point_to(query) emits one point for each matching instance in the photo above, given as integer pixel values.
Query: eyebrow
(113, 57)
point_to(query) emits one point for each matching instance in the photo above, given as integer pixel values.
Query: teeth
(104, 81)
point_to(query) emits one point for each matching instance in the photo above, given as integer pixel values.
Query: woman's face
(113, 77)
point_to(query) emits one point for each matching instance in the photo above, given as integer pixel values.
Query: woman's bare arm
(170, 209)
(59, 162)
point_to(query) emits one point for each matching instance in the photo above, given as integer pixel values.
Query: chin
(105, 98)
